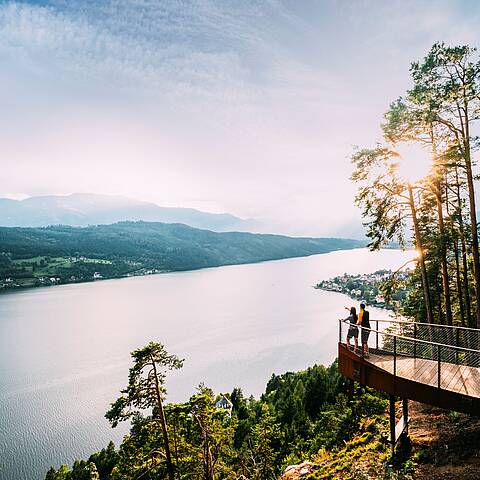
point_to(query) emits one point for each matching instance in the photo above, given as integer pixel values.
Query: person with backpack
(352, 329)
(364, 323)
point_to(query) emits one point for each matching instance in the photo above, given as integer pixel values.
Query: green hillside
(59, 254)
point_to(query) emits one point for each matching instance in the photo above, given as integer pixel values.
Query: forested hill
(131, 247)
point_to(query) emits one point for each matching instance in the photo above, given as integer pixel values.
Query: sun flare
(413, 162)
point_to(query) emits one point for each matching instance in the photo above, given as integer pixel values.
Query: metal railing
(449, 351)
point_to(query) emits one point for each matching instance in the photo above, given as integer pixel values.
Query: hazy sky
(250, 107)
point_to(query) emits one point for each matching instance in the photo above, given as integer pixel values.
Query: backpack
(366, 319)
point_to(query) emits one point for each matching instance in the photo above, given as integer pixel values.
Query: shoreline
(369, 288)
(20, 288)
(390, 308)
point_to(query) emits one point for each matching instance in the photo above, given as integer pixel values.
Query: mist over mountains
(83, 209)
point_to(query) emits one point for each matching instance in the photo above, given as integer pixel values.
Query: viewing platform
(434, 364)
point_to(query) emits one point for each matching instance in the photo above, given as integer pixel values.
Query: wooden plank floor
(456, 378)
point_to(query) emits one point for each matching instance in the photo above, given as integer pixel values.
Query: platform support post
(405, 414)
(392, 423)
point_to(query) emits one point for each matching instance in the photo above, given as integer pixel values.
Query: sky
(240, 106)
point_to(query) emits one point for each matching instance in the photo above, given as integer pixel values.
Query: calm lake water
(64, 351)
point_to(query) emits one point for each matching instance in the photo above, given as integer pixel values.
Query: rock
(296, 471)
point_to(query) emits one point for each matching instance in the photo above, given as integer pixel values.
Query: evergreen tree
(265, 438)
(448, 80)
(146, 390)
(388, 202)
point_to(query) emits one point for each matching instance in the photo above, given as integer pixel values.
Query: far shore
(133, 274)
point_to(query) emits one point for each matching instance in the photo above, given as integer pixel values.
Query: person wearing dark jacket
(364, 322)
(352, 329)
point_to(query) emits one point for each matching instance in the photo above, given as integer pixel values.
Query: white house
(224, 403)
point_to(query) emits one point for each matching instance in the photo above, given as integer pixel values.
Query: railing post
(439, 373)
(362, 349)
(376, 340)
(405, 414)
(392, 422)
(394, 355)
(457, 341)
(414, 340)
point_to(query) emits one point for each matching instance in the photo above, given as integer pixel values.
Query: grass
(42, 266)
(365, 456)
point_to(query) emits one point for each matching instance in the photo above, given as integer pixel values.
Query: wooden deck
(401, 365)
(455, 378)
(414, 379)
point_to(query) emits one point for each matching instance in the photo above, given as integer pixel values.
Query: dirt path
(446, 445)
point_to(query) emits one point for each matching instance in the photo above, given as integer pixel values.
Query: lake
(64, 351)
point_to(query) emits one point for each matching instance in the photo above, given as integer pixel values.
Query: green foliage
(260, 450)
(207, 440)
(341, 420)
(146, 390)
(382, 195)
(146, 382)
(299, 414)
(363, 453)
(136, 247)
(437, 113)
(80, 471)
(141, 452)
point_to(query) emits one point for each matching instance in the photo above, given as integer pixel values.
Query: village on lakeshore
(368, 288)
(44, 271)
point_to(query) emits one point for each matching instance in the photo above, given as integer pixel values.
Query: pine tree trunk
(466, 283)
(443, 253)
(423, 268)
(473, 212)
(163, 423)
(459, 286)
(474, 231)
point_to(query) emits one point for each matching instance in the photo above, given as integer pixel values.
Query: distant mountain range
(83, 209)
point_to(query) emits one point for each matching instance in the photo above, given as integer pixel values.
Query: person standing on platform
(352, 329)
(364, 323)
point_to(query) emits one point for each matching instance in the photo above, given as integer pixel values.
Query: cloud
(239, 105)
(170, 46)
